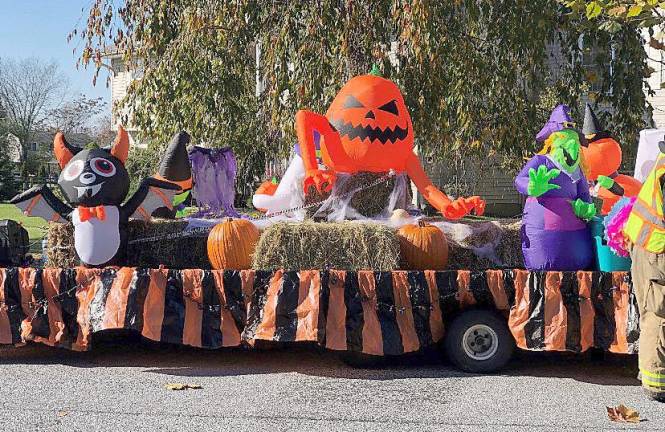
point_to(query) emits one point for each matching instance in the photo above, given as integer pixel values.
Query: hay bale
(308, 245)
(160, 242)
(369, 202)
(340, 245)
(60, 250)
(510, 246)
(163, 242)
(481, 245)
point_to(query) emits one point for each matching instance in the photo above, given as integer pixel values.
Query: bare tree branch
(28, 89)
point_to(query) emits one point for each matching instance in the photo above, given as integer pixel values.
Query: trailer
(476, 318)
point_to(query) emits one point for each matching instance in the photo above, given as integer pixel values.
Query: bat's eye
(102, 166)
(73, 170)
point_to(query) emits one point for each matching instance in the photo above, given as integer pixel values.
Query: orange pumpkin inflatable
(602, 157)
(368, 128)
(268, 187)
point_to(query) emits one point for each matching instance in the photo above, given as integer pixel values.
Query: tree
(611, 15)
(75, 115)
(102, 130)
(8, 187)
(28, 88)
(472, 71)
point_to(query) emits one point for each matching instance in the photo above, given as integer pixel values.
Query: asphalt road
(121, 387)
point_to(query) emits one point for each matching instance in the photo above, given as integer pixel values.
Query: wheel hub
(480, 342)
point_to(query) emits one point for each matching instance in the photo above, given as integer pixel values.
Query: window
(592, 68)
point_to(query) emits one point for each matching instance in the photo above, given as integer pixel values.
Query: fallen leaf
(623, 414)
(179, 386)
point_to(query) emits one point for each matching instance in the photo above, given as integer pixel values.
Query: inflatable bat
(95, 184)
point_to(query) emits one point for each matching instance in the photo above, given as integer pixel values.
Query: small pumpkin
(400, 217)
(423, 247)
(231, 244)
(268, 187)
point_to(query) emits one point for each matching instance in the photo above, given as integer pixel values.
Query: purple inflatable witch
(555, 235)
(559, 120)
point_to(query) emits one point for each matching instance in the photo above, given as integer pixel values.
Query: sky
(39, 28)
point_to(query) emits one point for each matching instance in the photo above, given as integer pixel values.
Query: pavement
(120, 385)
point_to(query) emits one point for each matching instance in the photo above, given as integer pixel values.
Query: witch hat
(559, 119)
(175, 167)
(591, 124)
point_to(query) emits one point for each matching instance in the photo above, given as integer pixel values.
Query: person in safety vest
(645, 228)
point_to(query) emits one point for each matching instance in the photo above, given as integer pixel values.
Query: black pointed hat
(591, 124)
(175, 166)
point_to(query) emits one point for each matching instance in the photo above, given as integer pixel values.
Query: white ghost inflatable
(289, 193)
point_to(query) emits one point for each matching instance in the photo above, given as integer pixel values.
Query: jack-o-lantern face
(373, 123)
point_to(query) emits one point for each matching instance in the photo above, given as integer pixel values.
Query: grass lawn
(35, 226)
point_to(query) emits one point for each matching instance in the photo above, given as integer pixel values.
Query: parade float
(339, 257)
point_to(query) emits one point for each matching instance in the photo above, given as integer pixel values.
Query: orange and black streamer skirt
(379, 313)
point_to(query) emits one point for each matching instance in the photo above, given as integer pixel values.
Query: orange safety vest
(646, 225)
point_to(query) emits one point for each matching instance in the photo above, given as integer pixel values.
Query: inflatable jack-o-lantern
(373, 123)
(368, 129)
(602, 155)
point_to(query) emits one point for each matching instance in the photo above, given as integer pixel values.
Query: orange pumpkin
(231, 244)
(268, 187)
(601, 157)
(423, 247)
(373, 123)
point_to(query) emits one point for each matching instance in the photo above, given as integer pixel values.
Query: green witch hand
(605, 182)
(539, 181)
(583, 209)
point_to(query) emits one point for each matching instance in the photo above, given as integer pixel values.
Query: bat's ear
(120, 147)
(63, 151)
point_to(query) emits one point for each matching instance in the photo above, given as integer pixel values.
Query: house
(120, 78)
(656, 61)
(14, 148)
(40, 148)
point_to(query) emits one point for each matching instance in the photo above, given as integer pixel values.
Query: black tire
(490, 328)
(362, 361)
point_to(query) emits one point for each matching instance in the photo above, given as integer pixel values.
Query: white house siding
(656, 80)
(121, 78)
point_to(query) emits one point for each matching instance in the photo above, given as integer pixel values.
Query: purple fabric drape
(214, 173)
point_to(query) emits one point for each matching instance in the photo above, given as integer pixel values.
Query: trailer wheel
(479, 341)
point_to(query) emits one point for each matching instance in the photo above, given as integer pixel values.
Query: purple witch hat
(559, 119)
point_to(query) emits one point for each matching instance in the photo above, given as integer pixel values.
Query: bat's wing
(151, 195)
(41, 202)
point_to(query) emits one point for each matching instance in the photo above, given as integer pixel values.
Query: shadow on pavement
(130, 350)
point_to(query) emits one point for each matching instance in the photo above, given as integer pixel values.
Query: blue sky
(39, 28)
